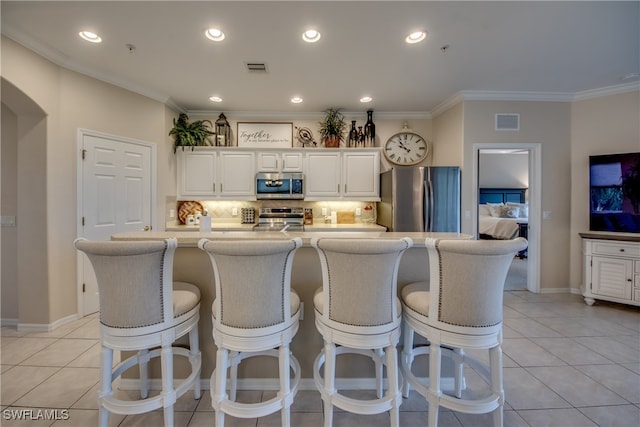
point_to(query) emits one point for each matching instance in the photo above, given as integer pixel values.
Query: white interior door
(116, 196)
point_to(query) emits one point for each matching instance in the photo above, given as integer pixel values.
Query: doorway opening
(514, 171)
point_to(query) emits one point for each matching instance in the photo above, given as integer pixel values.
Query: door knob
(146, 228)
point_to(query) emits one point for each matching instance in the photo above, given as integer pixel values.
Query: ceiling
(518, 49)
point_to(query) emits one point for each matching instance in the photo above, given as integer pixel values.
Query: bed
(502, 213)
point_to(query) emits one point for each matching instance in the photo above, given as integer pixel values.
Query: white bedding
(497, 227)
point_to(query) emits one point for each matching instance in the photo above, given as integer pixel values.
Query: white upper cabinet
(209, 173)
(196, 174)
(322, 175)
(275, 161)
(361, 175)
(349, 174)
(237, 179)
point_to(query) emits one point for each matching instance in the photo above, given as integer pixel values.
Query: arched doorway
(25, 290)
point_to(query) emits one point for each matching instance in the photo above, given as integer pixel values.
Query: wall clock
(406, 148)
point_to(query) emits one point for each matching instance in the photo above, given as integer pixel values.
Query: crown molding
(607, 91)
(319, 115)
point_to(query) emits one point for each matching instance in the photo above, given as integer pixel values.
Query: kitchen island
(192, 265)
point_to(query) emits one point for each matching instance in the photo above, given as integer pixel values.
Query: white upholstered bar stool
(255, 313)
(460, 308)
(357, 311)
(143, 310)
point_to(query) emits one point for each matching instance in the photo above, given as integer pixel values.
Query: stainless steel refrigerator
(420, 199)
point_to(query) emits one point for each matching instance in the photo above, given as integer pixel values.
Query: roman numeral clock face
(406, 148)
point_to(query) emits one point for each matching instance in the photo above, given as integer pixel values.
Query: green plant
(190, 134)
(333, 124)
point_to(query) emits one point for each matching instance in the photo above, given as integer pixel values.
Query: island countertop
(191, 238)
(192, 265)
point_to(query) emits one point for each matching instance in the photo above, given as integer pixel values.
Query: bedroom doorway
(513, 170)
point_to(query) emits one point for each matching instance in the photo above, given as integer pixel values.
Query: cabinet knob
(629, 280)
(621, 249)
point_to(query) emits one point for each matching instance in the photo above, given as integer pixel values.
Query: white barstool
(255, 313)
(358, 310)
(460, 308)
(142, 308)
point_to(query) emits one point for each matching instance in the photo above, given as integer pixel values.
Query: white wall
(505, 170)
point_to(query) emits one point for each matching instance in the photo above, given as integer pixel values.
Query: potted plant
(190, 134)
(332, 127)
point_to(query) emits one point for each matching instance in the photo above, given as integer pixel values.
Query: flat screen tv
(614, 181)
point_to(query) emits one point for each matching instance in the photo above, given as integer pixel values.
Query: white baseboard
(40, 327)
(8, 322)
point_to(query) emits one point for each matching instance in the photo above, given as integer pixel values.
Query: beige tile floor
(565, 364)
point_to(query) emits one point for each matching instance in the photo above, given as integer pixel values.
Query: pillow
(524, 209)
(483, 210)
(494, 208)
(509, 212)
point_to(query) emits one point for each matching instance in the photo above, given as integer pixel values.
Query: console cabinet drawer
(616, 249)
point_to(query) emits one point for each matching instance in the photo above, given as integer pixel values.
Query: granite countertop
(191, 238)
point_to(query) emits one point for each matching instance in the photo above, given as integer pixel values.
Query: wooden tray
(188, 208)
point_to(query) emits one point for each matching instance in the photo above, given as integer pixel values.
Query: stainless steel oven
(280, 219)
(285, 186)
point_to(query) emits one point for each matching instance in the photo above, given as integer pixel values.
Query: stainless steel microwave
(279, 186)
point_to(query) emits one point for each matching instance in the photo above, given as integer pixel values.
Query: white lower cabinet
(349, 174)
(611, 271)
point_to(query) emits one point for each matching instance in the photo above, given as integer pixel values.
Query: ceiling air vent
(507, 121)
(257, 67)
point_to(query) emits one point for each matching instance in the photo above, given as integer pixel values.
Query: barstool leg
(329, 382)
(379, 371)
(143, 368)
(194, 354)
(106, 381)
(407, 357)
(458, 359)
(495, 364)
(234, 361)
(166, 356)
(219, 380)
(433, 395)
(392, 377)
(285, 383)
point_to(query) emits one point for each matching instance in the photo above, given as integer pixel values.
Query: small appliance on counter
(280, 219)
(308, 216)
(247, 215)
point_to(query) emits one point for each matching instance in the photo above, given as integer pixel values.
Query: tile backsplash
(222, 211)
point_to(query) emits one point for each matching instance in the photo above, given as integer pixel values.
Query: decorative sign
(265, 135)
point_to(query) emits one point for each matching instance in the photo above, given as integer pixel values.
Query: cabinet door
(322, 175)
(291, 162)
(196, 174)
(612, 277)
(272, 161)
(268, 161)
(236, 174)
(361, 175)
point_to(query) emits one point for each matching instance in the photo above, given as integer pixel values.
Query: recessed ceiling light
(416, 37)
(214, 34)
(215, 98)
(90, 37)
(311, 36)
(296, 100)
(366, 99)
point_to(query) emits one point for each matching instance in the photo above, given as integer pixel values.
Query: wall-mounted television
(614, 181)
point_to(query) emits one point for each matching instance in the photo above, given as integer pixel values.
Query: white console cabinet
(611, 270)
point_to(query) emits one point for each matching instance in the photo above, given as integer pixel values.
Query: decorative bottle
(353, 135)
(360, 136)
(369, 130)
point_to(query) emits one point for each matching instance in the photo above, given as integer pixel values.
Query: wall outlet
(546, 214)
(358, 211)
(234, 211)
(467, 214)
(324, 211)
(172, 213)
